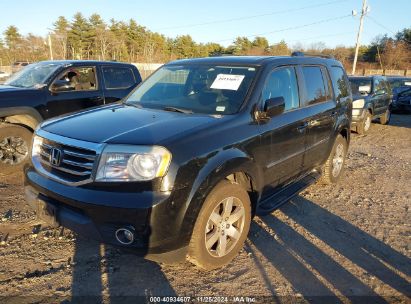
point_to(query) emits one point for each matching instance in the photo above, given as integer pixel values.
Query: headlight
(122, 163)
(358, 104)
(36, 149)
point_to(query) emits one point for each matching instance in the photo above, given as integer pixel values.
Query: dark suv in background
(52, 88)
(179, 169)
(371, 100)
(399, 86)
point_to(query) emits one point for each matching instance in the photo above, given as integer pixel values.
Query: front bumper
(358, 116)
(98, 213)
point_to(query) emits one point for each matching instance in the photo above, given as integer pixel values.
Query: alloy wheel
(224, 226)
(338, 160)
(13, 150)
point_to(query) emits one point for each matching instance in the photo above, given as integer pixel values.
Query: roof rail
(302, 54)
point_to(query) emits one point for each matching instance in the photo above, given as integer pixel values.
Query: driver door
(81, 91)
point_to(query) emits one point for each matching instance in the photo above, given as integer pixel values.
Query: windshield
(32, 75)
(359, 82)
(208, 89)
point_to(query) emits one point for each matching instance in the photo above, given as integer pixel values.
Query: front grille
(75, 163)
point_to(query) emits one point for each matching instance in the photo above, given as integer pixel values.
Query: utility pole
(363, 12)
(50, 48)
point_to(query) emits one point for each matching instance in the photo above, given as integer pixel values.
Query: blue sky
(277, 19)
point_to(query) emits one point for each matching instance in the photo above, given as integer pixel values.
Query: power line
(251, 17)
(291, 28)
(322, 36)
(386, 28)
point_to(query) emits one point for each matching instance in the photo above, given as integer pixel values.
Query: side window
(314, 85)
(282, 82)
(76, 79)
(118, 77)
(340, 83)
(377, 85)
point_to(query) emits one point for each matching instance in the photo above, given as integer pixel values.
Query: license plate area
(47, 212)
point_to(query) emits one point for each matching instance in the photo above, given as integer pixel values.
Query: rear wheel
(334, 165)
(15, 147)
(221, 227)
(385, 118)
(365, 125)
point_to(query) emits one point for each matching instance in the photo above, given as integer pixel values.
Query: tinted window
(314, 85)
(210, 89)
(356, 83)
(340, 84)
(118, 77)
(282, 83)
(378, 85)
(78, 79)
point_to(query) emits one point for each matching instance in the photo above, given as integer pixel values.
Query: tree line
(93, 38)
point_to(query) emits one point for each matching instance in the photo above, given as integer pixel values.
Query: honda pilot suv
(180, 168)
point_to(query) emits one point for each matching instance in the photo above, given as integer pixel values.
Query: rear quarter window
(118, 77)
(340, 83)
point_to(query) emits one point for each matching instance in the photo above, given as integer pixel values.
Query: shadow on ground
(298, 259)
(114, 276)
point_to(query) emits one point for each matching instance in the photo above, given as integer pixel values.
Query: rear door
(118, 82)
(82, 92)
(320, 107)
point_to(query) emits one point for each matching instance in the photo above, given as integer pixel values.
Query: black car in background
(398, 85)
(51, 88)
(371, 100)
(402, 101)
(179, 169)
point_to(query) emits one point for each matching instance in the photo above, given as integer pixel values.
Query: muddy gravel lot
(350, 242)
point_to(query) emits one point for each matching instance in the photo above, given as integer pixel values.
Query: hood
(14, 92)
(123, 124)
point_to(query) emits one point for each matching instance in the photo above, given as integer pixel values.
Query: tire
(337, 156)
(385, 118)
(15, 148)
(213, 256)
(365, 125)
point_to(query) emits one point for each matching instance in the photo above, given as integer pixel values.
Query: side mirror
(61, 86)
(364, 89)
(381, 92)
(274, 106)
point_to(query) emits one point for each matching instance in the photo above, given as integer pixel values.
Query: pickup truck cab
(193, 153)
(372, 100)
(51, 88)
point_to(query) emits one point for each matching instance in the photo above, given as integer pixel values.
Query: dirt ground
(350, 242)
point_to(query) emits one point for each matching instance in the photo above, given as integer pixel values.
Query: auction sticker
(227, 82)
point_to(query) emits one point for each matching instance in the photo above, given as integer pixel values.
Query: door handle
(333, 113)
(302, 127)
(96, 98)
(313, 123)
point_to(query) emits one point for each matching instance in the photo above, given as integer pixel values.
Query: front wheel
(365, 125)
(221, 227)
(334, 165)
(15, 145)
(385, 118)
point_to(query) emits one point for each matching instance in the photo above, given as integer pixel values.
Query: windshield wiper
(179, 110)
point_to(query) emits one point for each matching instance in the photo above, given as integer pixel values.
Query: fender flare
(26, 116)
(217, 168)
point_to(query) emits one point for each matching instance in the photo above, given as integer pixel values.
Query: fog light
(125, 236)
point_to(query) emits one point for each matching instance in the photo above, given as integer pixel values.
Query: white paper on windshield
(227, 82)
(407, 83)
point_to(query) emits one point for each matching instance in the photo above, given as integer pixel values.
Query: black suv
(372, 100)
(179, 169)
(51, 88)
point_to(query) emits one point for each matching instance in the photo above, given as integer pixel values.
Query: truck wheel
(334, 165)
(221, 227)
(385, 118)
(364, 126)
(15, 147)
